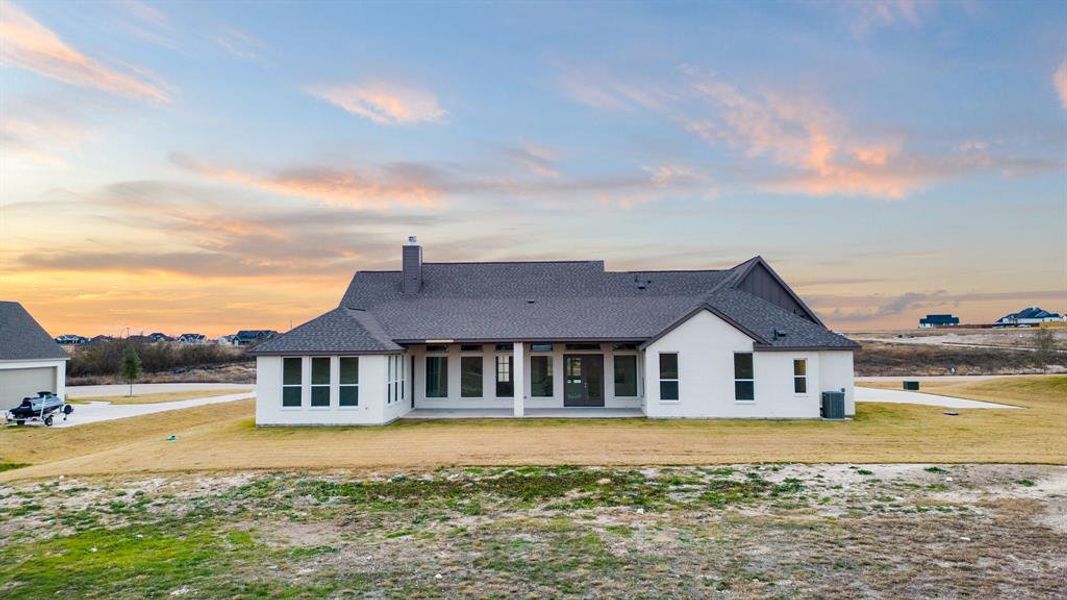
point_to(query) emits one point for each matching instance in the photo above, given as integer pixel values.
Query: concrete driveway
(87, 391)
(864, 394)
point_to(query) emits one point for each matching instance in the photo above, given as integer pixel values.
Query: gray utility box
(833, 405)
(911, 385)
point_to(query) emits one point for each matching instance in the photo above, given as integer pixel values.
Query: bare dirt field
(737, 531)
(223, 437)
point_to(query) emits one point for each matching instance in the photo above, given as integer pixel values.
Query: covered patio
(530, 413)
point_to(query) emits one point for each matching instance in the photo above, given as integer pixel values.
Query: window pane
(668, 390)
(743, 366)
(505, 347)
(349, 395)
(540, 347)
(744, 390)
(436, 347)
(800, 367)
(668, 366)
(583, 346)
(320, 371)
(504, 386)
(800, 385)
(349, 370)
(471, 378)
(470, 348)
(320, 395)
(291, 396)
(436, 377)
(291, 371)
(541, 376)
(625, 375)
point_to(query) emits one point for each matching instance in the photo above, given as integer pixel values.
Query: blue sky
(210, 166)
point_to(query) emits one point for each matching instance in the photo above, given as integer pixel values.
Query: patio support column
(518, 377)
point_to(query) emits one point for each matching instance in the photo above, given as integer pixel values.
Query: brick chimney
(412, 266)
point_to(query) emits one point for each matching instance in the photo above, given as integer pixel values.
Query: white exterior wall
(372, 409)
(489, 398)
(706, 345)
(835, 373)
(60, 365)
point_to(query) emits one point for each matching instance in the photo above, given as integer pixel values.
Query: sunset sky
(214, 166)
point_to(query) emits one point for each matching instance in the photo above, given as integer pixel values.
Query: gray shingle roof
(538, 301)
(22, 338)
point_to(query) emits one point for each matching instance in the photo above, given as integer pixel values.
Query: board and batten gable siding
(372, 409)
(706, 345)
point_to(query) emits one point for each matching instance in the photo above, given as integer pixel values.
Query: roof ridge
(510, 262)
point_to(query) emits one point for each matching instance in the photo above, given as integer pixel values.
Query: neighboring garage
(30, 361)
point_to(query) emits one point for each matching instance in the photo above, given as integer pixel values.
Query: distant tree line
(106, 358)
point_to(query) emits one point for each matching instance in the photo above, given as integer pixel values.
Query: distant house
(251, 337)
(30, 360)
(159, 337)
(70, 339)
(1029, 317)
(192, 338)
(226, 340)
(938, 321)
(100, 339)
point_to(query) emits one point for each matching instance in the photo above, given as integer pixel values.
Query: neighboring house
(226, 340)
(70, 339)
(159, 337)
(30, 360)
(516, 338)
(939, 321)
(1029, 317)
(100, 339)
(251, 337)
(192, 338)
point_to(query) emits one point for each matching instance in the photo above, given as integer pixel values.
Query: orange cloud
(26, 44)
(1059, 79)
(364, 190)
(382, 102)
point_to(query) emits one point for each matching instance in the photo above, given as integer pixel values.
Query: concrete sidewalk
(864, 394)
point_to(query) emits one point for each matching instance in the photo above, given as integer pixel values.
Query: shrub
(105, 358)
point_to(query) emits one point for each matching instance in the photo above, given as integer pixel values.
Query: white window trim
(752, 380)
(660, 380)
(348, 385)
(804, 377)
(328, 385)
(497, 355)
(300, 385)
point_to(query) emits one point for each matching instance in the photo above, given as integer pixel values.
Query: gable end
(761, 281)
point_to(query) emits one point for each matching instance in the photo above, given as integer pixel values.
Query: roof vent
(530, 301)
(778, 333)
(412, 241)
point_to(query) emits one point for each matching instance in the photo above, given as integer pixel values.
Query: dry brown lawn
(223, 437)
(159, 397)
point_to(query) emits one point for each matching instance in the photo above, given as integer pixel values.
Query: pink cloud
(1059, 80)
(363, 189)
(29, 45)
(382, 102)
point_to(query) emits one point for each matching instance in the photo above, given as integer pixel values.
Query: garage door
(16, 384)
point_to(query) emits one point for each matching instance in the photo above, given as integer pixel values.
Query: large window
(349, 384)
(800, 376)
(470, 376)
(292, 382)
(436, 376)
(504, 386)
(541, 376)
(320, 381)
(744, 385)
(668, 376)
(626, 375)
